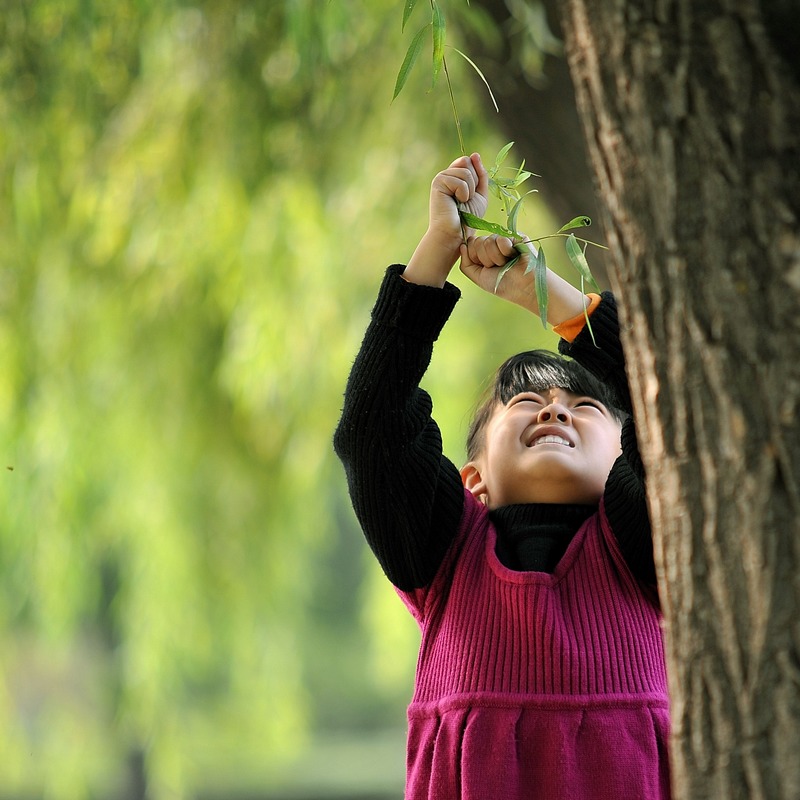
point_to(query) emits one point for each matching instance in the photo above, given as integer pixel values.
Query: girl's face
(545, 447)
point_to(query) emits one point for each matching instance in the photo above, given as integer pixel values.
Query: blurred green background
(197, 204)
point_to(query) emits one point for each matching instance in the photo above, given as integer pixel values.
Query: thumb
(468, 266)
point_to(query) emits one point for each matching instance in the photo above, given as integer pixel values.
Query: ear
(473, 482)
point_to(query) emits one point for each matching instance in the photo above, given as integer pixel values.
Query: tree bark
(691, 112)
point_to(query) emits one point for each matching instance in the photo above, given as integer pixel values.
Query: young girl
(530, 572)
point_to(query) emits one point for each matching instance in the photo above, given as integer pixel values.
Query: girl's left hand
(481, 259)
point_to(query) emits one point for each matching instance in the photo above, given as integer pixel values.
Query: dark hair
(536, 371)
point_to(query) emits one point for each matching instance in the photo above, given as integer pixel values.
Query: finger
(478, 251)
(460, 183)
(461, 162)
(482, 186)
(474, 271)
(498, 257)
(463, 168)
(467, 265)
(506, 246)
(472, 255)
(481, 276)
(486, 250)
(456, 186)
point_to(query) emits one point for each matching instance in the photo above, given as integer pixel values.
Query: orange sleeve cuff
(569, 329)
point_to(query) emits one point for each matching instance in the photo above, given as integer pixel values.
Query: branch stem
(455, 110)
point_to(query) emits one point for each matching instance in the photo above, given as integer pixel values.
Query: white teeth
(550, 439)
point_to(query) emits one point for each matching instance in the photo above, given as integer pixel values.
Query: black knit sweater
(408, 496)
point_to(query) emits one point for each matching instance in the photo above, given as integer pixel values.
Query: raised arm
(465, 181)
(625, 494)
(407, 496)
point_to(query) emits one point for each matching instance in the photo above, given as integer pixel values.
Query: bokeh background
(197, 203)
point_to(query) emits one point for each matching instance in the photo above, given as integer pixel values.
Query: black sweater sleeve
(625, 497)
(407, 496)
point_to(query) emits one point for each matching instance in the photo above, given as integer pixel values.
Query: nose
(555, 412)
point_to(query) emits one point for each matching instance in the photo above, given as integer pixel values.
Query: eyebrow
(574, 397)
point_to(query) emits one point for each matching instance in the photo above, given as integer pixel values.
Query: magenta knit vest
(536, 685)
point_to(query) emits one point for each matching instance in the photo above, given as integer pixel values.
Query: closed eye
(526, 398)
(590, 404)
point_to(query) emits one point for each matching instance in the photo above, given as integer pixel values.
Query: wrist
(566, 301)
(433, 258)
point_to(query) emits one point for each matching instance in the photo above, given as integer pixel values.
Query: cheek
(501, 438)
(613, 449)
(607, 449)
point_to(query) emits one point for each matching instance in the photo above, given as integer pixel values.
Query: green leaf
(493, 187)
(513, 214)
(538, 265)
(501, 156)
(407, 10)
(540, 283)
(408, 62)
(506, 198)
(512, 217)
(577, 222)
(505, 268)
(586, 316)
(438, 40)
(480, 75)
(520, 178)
(522, 175)
(484, 225)
(578, 259)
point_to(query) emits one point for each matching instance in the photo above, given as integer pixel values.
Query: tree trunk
(691, 112)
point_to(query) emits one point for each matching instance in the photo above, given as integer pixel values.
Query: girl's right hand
(465, 182)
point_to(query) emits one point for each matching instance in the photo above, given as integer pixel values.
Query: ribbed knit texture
(543, 683)
(573, 660)
(534, 536)
(391, 448)
(386, 430)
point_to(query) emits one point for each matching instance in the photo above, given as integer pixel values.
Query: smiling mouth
(551, 439)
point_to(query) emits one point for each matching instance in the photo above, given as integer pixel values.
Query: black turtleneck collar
(532, 537)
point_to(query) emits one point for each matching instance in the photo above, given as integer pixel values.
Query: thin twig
(455, 110)
(562, 236)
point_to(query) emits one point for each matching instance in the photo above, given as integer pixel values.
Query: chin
(571, 496)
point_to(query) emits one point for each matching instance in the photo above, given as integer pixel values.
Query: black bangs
(539, 370)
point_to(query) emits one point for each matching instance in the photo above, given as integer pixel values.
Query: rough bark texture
(691, 112)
